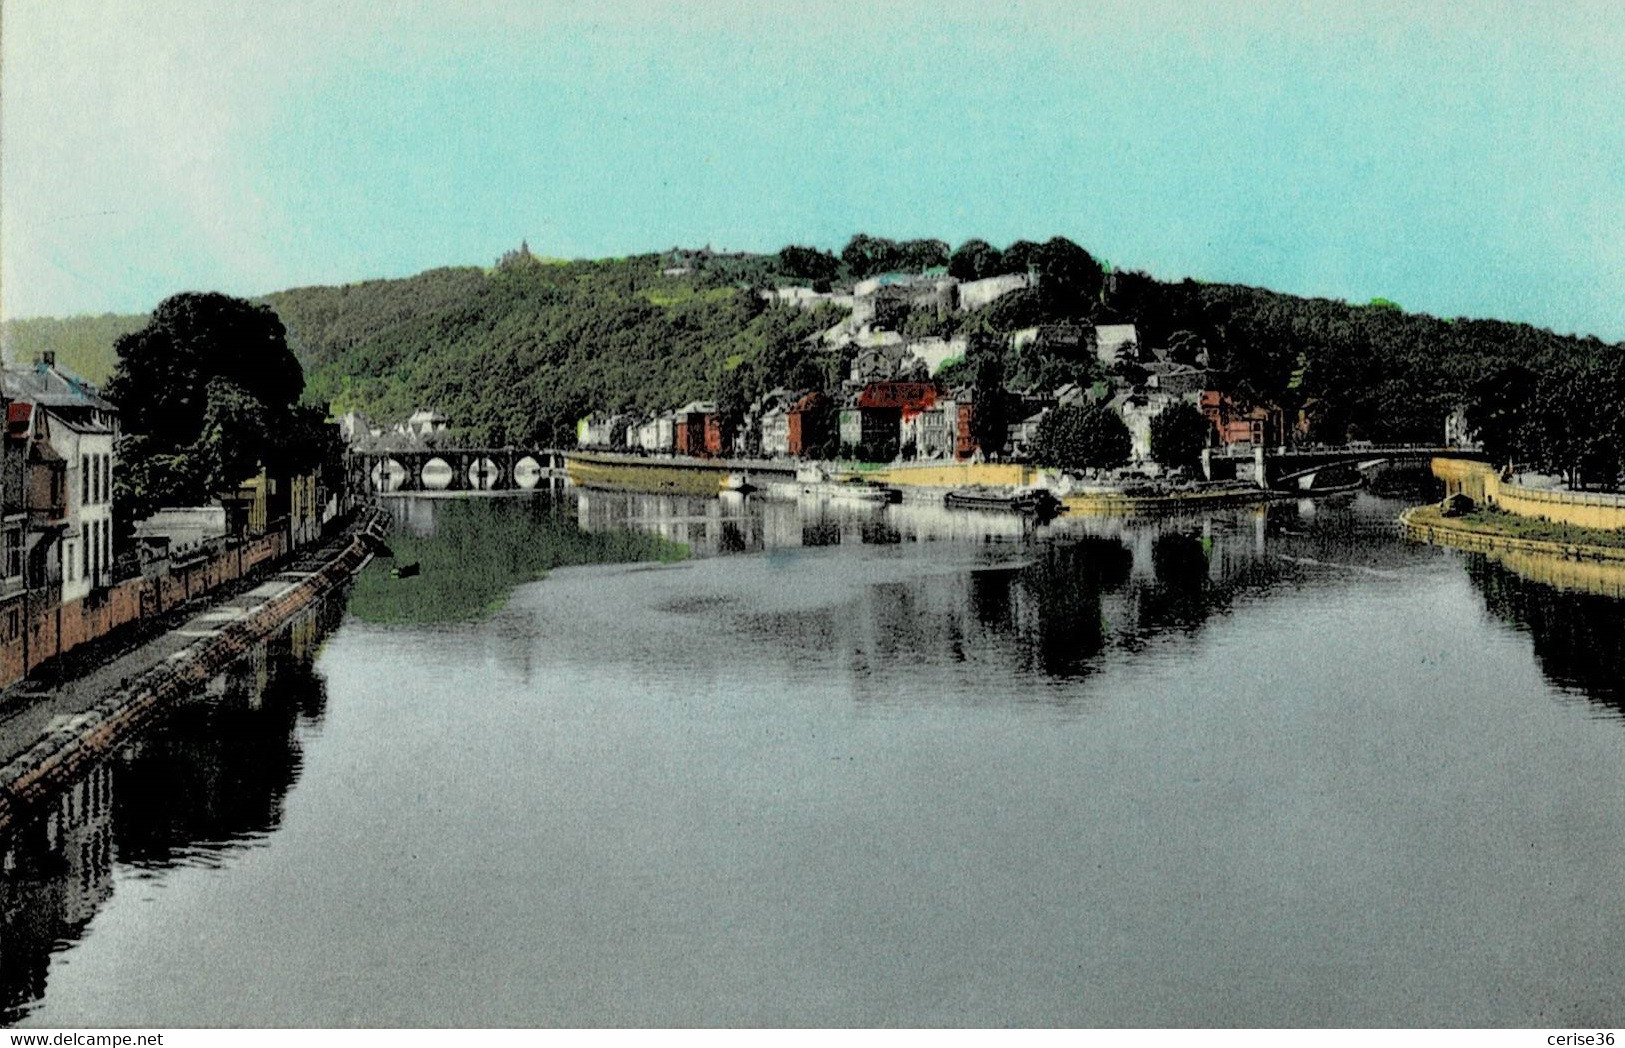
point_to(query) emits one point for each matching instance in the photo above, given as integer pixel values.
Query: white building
(935, 351)
(181, 528)
(776, 432)
(974, 294)
(1112, 340)
(658, 436)
(1137, 410)
(357, 428)
(425, 422)
(82, 428)
(935, 431)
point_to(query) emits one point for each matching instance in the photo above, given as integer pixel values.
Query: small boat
(405, 571)
(1038, 502)
(855, 491)
(815, 482)
(737, 482)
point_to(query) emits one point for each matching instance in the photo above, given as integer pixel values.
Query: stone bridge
(456, 469)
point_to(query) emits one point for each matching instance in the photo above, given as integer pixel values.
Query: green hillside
(516, 353)
(83, 345)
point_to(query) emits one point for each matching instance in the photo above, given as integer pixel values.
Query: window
(84, 479)
(11, 554)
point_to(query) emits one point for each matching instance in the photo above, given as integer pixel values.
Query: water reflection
(710, 526)
(210, 777)
(466, 555)
(928, 591)
(931, 586)
(1579, 638)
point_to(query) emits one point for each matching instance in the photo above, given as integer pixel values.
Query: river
(867, 766)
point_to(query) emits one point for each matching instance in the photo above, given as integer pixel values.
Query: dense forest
(519, 351)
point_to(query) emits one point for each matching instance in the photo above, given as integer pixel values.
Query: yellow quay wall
(1482, 482)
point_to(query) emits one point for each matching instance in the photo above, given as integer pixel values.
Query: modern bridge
(1296, 468)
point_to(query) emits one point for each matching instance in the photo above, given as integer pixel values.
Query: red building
(907, 398)
(697, 431)
(964, 443)
(884, 407)
(809, 424)
(718, 438)
(1234, 425)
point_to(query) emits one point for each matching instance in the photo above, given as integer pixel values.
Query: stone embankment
(69, 744)
(1427, 524)
(1571, 566)
(916, 481)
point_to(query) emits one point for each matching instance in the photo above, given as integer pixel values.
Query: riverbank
(664, 476)
(48, 742)
(1111, 503)
(1485, 530)
(916, 481)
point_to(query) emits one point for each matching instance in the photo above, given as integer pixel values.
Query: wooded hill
(518, 352)
(83, 345)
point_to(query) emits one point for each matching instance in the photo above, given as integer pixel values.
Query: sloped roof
(898, 395)
(49, 385)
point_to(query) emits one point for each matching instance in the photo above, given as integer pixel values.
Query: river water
(874, 767)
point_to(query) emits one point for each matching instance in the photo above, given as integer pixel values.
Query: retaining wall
(34, 631)
(954, 474)
(63, 754)
(1482, 483)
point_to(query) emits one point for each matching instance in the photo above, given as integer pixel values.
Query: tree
(988, 420)
(1179, 432)
(923, 254)
(809, 264)
(974, 260)
(164, 369)
(864, 256)
(1072, 437)
(1019, 257)
(1069, 278)
(206, 394)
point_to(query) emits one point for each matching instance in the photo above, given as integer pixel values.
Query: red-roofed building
(884, 408)
(1236, 426)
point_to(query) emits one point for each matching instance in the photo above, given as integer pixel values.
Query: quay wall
(35, 630)
(1584, 569)
(1482, 483)
(67, 751)
(953, 474)
(667, 476)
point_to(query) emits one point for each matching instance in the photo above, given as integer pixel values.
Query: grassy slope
(1512, 525)
(83, 344)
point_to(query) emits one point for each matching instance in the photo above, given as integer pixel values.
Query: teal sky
(1463, 159)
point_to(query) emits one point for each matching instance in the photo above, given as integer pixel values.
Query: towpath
(32, 708)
